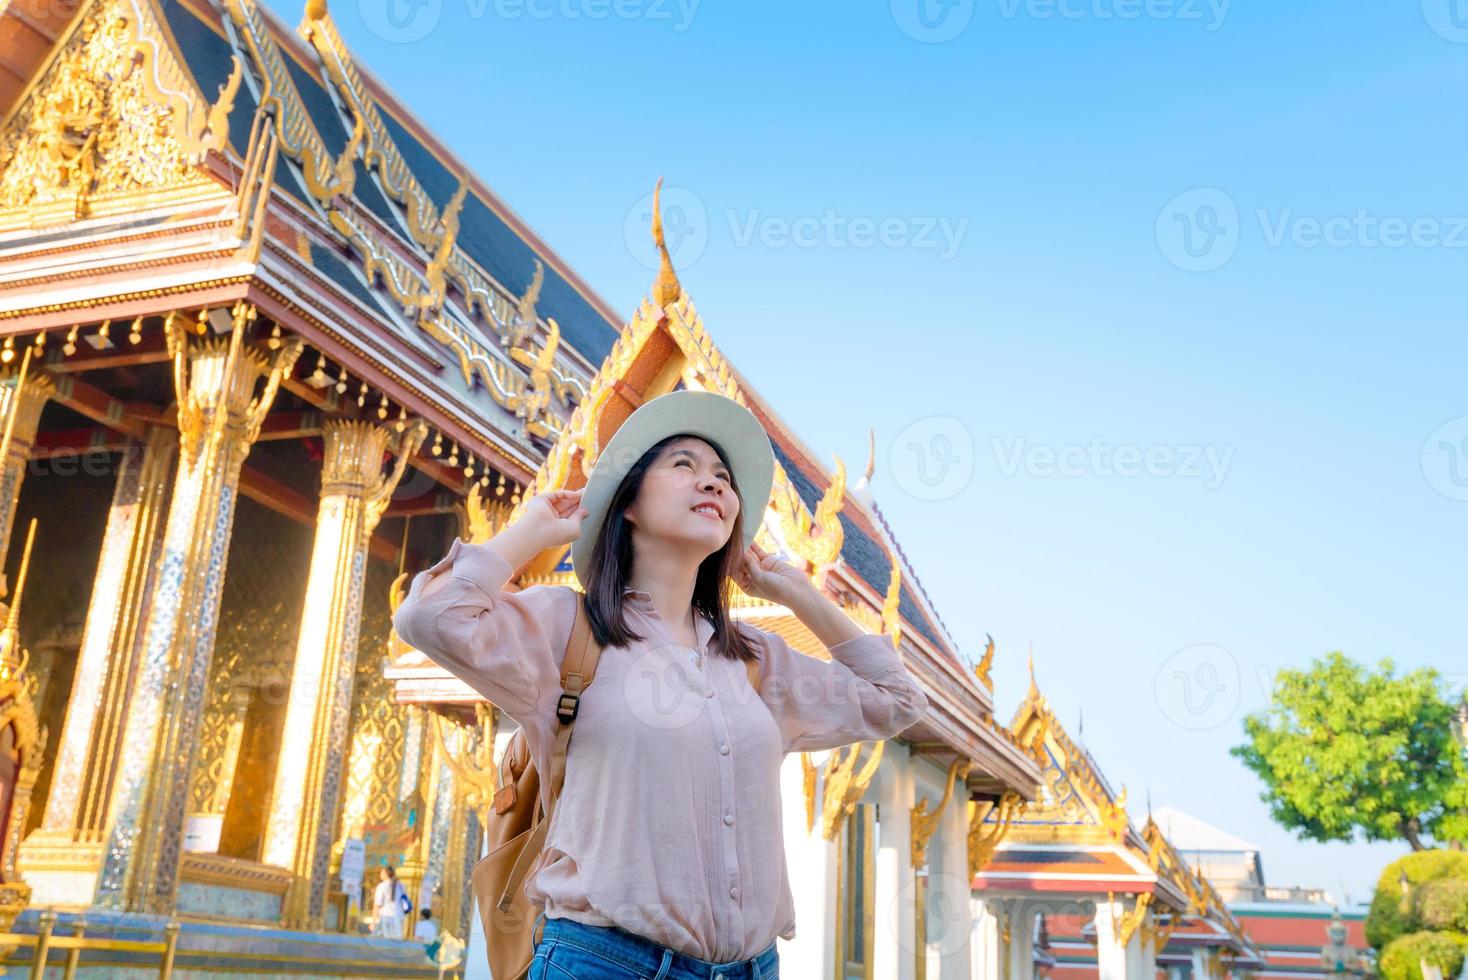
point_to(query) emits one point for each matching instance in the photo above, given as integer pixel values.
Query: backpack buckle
(567, 707)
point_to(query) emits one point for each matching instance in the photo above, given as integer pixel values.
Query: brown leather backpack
(516, 826)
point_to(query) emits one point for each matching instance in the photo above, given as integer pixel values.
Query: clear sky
(1155, 305)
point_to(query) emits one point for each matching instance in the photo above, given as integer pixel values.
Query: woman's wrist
(517, 544)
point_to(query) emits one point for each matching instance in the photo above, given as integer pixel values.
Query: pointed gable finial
(1034, 692)
(871, 455)
(667, 288)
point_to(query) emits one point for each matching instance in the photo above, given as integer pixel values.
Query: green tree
(1344, 749)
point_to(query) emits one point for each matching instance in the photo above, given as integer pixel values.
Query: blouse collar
(702, 627)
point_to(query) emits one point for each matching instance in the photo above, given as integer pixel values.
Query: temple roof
(1190, 834)
(490, 234)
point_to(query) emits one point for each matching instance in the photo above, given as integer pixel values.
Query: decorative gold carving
(1075, 800)
(475, 775)
(1127, 925)
(815, 537)
(924, 822)
(986, 664)
(523, 326)
(27, 742)
(1203, 899)
(114, 113)
(891, 616)
(223, 394)
(21, 404)
(437, 234)
(845, 784)
(985, 834)
(533, 403)
(667, 288)
(430, 303)
(809, 773)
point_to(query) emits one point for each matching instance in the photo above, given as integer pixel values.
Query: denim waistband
(643, 956)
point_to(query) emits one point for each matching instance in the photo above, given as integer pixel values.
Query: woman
(387, 908)
(665, 855)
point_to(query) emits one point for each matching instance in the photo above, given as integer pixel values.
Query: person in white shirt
(426, 931)
(387, 905)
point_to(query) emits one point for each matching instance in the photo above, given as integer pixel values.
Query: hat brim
(706, 414)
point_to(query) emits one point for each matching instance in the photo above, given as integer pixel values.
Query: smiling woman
(698, 882)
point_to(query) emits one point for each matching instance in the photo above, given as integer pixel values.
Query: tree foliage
(1343, 749)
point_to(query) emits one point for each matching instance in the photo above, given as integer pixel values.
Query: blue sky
(1087, 228)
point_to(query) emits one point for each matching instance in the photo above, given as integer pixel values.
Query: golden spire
(667, 288)
(1034, 692)
(871, 455)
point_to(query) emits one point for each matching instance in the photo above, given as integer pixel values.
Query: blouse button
(728, 819)
(709, 693)
(723, 748)
(734, 892)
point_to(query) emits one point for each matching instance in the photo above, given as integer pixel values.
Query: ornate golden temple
(266, 349)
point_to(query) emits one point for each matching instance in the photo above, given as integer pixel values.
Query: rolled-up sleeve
(862, 692)
(502, 644)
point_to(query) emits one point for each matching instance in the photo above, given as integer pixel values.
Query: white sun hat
(711, 416)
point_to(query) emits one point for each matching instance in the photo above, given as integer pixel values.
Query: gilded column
(219, 416)
(308, 778)
(86, 759)
(34, 393)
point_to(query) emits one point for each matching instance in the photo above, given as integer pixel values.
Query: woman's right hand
(554, 517)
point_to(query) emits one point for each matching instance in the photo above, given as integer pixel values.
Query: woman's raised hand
(765, 576)
(553, 517)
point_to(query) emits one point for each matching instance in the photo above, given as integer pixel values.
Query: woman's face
(686, 497)
(382, 874)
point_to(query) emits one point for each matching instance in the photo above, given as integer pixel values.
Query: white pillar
(957, 921)
(1114, 960)
(984, 946)
(811, 866)
(1021, 947)
(895, 913)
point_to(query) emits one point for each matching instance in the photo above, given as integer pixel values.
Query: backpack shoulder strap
(577, 670)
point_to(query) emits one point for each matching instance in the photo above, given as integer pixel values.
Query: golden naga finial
(984, 666)
(871, 456)
(667, 288)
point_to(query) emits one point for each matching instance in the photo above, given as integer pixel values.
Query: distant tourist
(390, 905)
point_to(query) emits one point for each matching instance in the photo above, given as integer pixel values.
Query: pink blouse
(669, 821)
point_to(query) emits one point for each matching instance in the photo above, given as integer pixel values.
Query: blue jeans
(571, 950)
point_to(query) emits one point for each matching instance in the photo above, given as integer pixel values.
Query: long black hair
(611, 565)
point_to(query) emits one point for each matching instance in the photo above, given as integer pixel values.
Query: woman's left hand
(765, 576)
